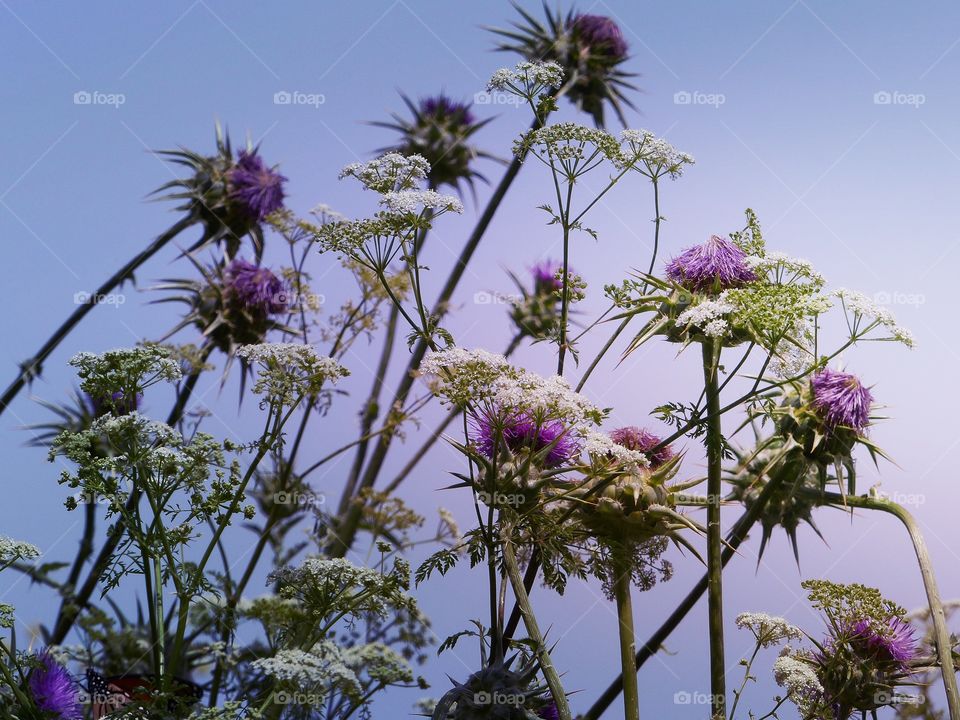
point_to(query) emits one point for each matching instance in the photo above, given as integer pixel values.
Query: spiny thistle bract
(232, 305)
(794, 497)
(589, 48)
(536, 313)
(229, 196)
(497, 692)
(440, 129)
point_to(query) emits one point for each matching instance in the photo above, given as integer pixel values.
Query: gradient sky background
(864, 189)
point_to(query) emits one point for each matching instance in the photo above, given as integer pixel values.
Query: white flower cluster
(289, 372)
(863, 307)
(479, 378)
(799, 679)
(12, 550)
(598, 444)
(413, 201)
(768, 629)
(379, 662)
(390, 172)
(708, 315)
(128, 370)
(313, 672)
(527, 79)
(788, 359)
(780, 267)
(570, 141)
(657, 155)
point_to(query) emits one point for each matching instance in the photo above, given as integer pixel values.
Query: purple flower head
(718, 263)
(545, 276)
(601, 35)
(442, 107)
(520, 430)
(256, 287)
(892, 642)
(841, 399)
(642, 440)
(54, 690)
(118, 404)
(256, 187)
(549, 711)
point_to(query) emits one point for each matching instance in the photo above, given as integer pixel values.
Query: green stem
(533, 630)
(628, 662)
(941, 633)
(714, 446)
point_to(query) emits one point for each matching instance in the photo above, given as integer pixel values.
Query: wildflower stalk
(628, 663)
(349, 511)
(550, 673)
(31, 368)
(72, 605)
(941, 632)
(714, 446)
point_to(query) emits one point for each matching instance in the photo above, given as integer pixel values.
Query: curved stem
(30, 368)
(941, 633)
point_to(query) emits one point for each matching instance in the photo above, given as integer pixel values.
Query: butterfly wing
(105, 695)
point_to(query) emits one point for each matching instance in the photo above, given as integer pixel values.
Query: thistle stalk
(628, 663)
(550, 673)
(714, 447)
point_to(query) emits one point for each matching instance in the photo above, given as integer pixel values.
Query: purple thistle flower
(549, 711)
(892, 642)
(54, 690)
(520, 431)
(255, 186)
(642, 440)
(256, 287)
(440, 106)
(601, 35)
(841, 399)
(545, 276)
(718, 263)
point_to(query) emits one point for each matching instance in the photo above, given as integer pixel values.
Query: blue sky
(835, 122)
